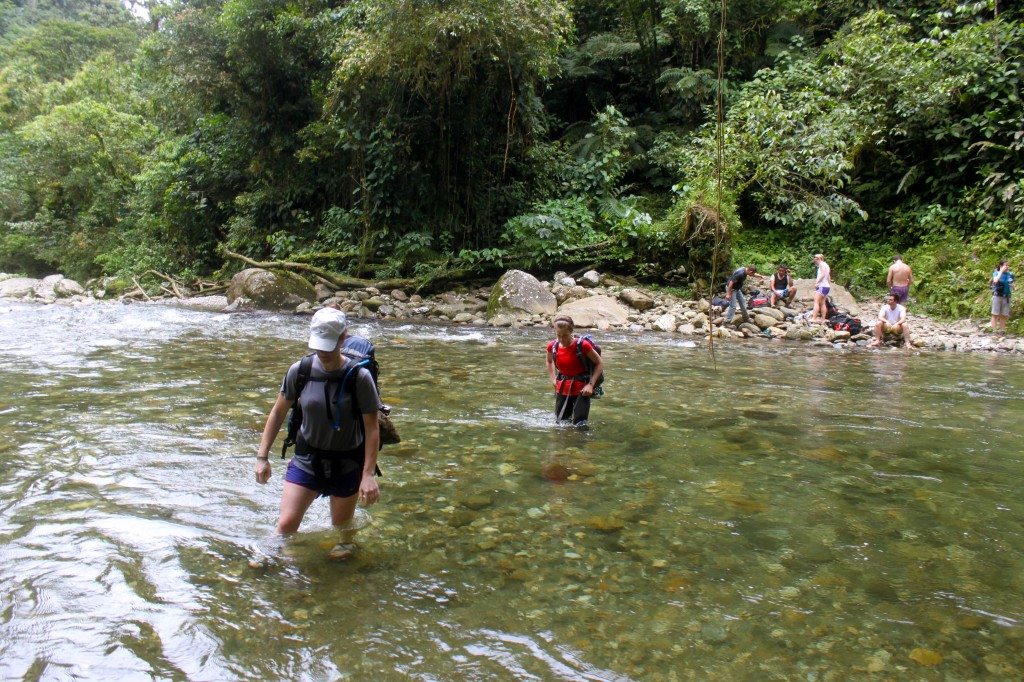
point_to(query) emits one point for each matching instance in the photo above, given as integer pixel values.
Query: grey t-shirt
(317, 428)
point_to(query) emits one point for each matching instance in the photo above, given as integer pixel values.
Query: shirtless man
(892, 319)
(899, 279)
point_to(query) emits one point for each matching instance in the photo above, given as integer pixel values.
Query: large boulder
(67, 287)
(590, 279)
(271, 290)
(19, 287)
(587, 312)
(764, 321)
(636, 299)
(839, 295)
(520, 292)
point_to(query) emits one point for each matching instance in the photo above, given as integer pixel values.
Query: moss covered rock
(519, 292)
(271, 290)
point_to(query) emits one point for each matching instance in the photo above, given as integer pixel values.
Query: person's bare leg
(905, 329)
(295, 500)
(343, 509)
(877, 341)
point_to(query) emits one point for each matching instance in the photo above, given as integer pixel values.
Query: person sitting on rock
(892, 319)
(734, 292)
(782, 286)
(574, 383)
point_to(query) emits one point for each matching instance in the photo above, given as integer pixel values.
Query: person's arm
(888, 278)
(595, 358)
(550, 363)
(997, 274)
(903, 316)
(275, 419)
(728, 288)
(910, 276)
(369, 491)
(881, 313)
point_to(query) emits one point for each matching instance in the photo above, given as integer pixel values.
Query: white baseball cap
(326, 328)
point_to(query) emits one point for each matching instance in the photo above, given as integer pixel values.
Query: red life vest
(572, 374)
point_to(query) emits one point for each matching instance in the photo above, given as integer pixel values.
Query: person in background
(782, 286)
(899, 278)
(1002, 287)
(333, 458)
(574, 383)
(822, 285)
(892, 319)
(734, 292)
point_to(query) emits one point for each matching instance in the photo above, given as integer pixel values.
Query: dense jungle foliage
(440, 139)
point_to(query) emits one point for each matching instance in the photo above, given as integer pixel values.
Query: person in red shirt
(573, 382)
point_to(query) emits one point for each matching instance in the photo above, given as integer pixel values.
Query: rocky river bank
(518, 299)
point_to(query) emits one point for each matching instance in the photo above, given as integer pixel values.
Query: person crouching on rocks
(335, 456)
(892, 319)
(567, 360)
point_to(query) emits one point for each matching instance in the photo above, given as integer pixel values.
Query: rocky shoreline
(519, 300)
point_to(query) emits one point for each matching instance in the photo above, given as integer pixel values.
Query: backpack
(362, 352)
(584, 360)
(759, 302)
(845, 323)
(720, 301)
(1001, 288)
(830, 308)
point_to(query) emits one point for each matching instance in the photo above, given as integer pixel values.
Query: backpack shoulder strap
(305, 370)
(295, 419)
(584, 360)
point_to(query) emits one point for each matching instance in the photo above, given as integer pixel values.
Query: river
(774, 512)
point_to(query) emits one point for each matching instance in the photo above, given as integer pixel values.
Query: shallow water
(789, 513)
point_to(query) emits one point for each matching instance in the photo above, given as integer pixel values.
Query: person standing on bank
(822, 285)
(1002, 287)
(899, 278)
(337, 444)
(573, 382)
(734, 292)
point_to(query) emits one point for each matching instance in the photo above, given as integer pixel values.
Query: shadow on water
(796, 513)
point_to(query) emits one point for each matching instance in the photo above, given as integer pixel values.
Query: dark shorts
(901, 293)
(574, 407)
(337, 474)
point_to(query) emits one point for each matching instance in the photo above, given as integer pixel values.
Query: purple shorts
(901, 293)
(823, 290)
(341, 479)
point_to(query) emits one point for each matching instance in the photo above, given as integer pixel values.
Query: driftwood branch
(338, 281)
(174, 290)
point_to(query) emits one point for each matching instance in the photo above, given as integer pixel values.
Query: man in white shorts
(892, 319)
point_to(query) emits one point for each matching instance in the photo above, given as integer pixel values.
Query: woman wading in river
(333, 458)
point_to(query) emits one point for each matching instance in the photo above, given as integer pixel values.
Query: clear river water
(775, 512)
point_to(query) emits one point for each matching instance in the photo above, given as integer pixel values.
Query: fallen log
(338, 281)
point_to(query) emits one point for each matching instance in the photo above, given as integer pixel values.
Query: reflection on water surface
(795, 512)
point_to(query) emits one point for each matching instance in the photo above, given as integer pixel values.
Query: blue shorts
(823, 291)
(334, 477)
